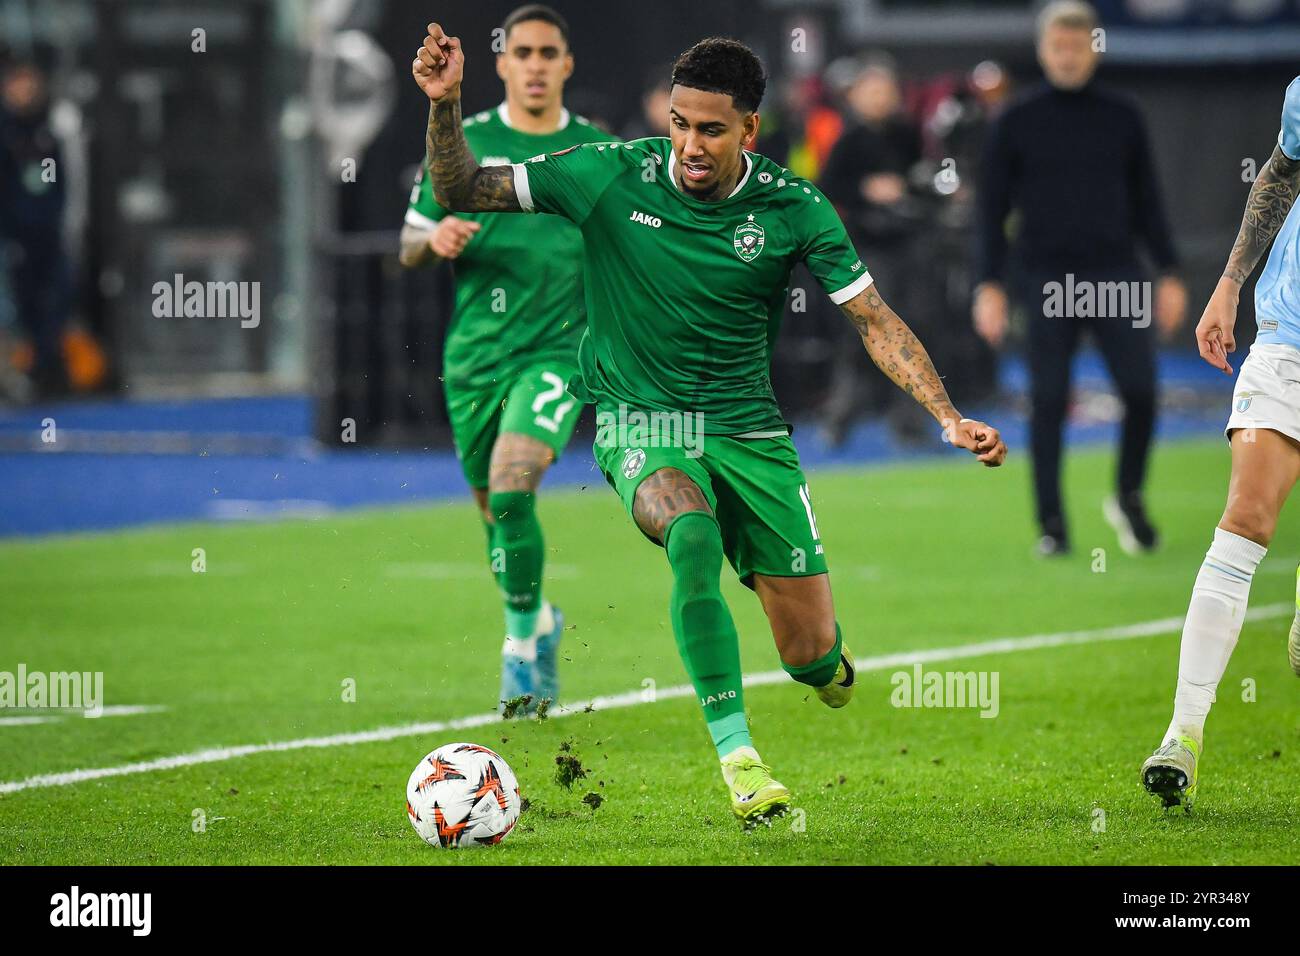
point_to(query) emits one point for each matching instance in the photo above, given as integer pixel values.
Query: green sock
(494, 560)
(821, 671)
(518, 551)
(706, 635)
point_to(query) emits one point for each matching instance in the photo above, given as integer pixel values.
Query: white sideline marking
(116, 710)
(130, 710)
(629, 699)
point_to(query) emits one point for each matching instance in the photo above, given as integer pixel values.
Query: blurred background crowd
(275, 141)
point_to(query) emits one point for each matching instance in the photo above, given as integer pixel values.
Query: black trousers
(40, 280)
(1127, 348)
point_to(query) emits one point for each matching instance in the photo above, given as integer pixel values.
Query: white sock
(1213, 623)
(745, 751)
(526, 647)
(545, 620)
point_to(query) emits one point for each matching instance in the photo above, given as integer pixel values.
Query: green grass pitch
(933, 555)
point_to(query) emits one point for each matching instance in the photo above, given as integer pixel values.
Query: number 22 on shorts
(551, 422)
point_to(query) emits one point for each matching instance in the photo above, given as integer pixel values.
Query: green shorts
(755, 487)
(535, 403)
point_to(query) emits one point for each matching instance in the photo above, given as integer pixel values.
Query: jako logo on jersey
(645, 220)
(717, 698)
(749, 239)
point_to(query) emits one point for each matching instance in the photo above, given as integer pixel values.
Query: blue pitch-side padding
(289, 417)
(49, 492)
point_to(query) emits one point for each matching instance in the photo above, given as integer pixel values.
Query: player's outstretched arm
(1271, 197)
(459, 182)
(899, 354)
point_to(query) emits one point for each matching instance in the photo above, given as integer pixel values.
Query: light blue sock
(730, 732)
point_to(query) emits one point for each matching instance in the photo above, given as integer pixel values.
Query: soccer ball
(462, 795)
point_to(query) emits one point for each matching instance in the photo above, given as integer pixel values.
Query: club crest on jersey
(633, 462)
(1244, 399)
(749, 239)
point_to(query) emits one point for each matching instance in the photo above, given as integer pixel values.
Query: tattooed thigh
(663, 496)
(518, 462)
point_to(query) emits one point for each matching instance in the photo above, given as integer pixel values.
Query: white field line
(131, 710)
(116, 710)
(634, 698)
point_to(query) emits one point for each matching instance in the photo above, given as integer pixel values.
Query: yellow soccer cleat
(840, 690)
(755, 797)
(1170, 772)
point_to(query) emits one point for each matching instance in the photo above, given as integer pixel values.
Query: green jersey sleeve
(423, 211)
(827, 250)
(569, 183)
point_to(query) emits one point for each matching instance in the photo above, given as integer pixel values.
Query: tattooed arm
(1271, 198)
(459, 183)
(899, 354)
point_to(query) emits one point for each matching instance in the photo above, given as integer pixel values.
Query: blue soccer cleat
(518, 681)
(548, 653)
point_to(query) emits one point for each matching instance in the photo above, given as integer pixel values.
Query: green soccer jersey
(519, 298)
(684, 297)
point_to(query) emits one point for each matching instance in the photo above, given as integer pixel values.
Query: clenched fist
(449, 238)
(439, 65)
(978, 438)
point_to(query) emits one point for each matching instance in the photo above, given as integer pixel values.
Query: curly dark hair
(721, 65)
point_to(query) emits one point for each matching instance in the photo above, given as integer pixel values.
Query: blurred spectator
(866, 172)
(866, 177)
(808, 128)
(31, 218)
(1072, 159)
(653, 120)
(594, 106)
(956, 125)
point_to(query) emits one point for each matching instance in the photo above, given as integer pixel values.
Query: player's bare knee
(1249, 518)
(804, 639)
(803, 647)
(518, 463)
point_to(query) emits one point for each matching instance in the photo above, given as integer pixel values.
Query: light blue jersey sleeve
(1277, 296)
(1289, 138)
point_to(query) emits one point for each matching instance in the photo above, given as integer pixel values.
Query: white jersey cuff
(419, 220)
(522, 192)
(849, 291)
